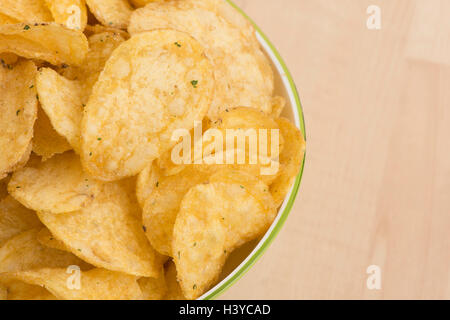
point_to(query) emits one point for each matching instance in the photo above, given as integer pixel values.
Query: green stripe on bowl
(275, 229)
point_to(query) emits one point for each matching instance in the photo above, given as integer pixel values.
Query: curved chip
(4, 19)
(98, 28)
(101, 45)
(163, 203)
(57, 185)
(153, 288)
(51, 42)
(95, 284)
(278, 105)
(24, 252)
(146, 182)
(255, 139)
(290, 158)
(61, 100)
(214, 220)
(18, 109)
(15, 219)
(46, 238)
(243, 74)
(142, 3)
(71, 13)
(46, 141)
(3, 292)
(26, 10)
(107, 234)
(18, 290)
(173, 287)
(149, 88)
(113, 13)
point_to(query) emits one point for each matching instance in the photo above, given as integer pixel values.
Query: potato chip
(18, 290)
(146, 183)
(98, 28)
(149, 88)
(61, 100)
(71, 13)
(173, 287)
(15, 219)
(278, 105)
(26, 10)
(290, 158)
(163, 203)
(8, 59)
(153, 288)
(58, 185)
(254, 126)
(101, 45)
(46, 238)
(24, 252)
(4, 19)
(95, 284)
(51, 42)
(46, 141)
(243, 74)
(3, 292)
(107, 234)
(199, 241)
(4, 188)
(214, 220)
(18, 107)
(113, 13)
(142, 3)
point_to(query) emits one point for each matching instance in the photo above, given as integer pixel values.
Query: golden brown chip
(26, 10)
(15, 219)
(4, 19)
(254, 134)
(149, 88)
(51, 42)
(46, 141)
(146, 182)
(95, 284)
(57, 185)
(142, 3)
(46, 238)
(24, 252)
(8, 59)
(173, 287)
(107, 234)
(243, 74)
(290, 158)
(214, 220)
(101, 45)
(278, 105)
(71, 13)
(113, 13)
(153, 288)
(98, 28)
(4, 187)
(163, 203)
(3, 292)
(18, 109)
(18, 290)
(199, 241)
(61, 100)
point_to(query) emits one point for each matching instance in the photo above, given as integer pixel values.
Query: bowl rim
(286, 208)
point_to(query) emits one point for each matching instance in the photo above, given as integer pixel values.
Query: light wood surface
(376, 187)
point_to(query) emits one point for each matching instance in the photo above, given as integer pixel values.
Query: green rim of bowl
(219, 289)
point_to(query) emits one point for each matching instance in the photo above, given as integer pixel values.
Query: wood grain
(376, 187)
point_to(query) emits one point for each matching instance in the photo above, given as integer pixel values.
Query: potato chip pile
(92, 205)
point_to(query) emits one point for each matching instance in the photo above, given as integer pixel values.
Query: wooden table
(376, 187)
